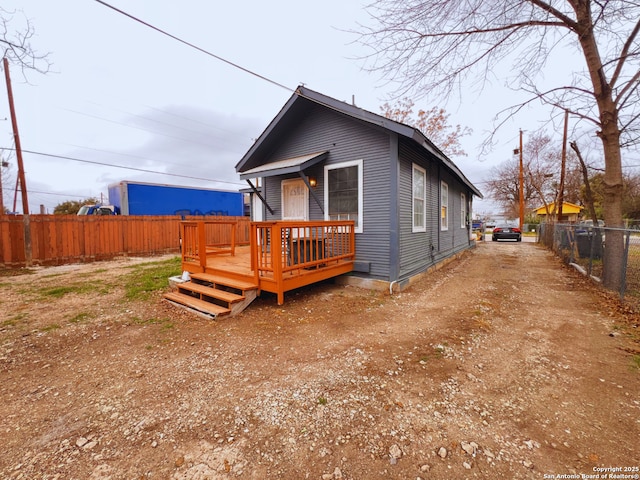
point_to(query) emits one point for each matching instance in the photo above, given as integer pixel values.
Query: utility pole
(521, 186)
(564, 162)
(16, 136)
(21, 176)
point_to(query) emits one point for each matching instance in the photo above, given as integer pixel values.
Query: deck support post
(276, 258)
(234, 228)
(254, 245)
(202, 246)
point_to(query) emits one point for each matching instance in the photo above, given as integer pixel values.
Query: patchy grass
(166, 323)
(14, 320)
(439, 351)
(50, 327)
(147, 278)
(148, 321)
(54, 275)
(15, 272)
(482, 324)
(635, 362)
(59, 292)
(92, 273)
(81, 317)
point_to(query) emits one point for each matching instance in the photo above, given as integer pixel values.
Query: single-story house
(570, 212)
(325, 159)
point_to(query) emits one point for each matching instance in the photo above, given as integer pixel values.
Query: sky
(123, 94)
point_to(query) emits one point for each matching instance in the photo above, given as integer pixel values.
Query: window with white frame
(419, 181)
(444, 206)
(343, 192)
(463, 210)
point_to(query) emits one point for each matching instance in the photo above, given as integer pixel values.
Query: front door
(295, 200)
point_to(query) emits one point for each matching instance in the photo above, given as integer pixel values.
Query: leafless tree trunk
(587, 185)
(437, 46)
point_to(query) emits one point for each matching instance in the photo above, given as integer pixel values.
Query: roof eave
(267, 131)
(363, 115)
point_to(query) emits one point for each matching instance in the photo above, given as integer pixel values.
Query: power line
(58, 194)
(146, 129)
(217, 57)
(172, 125)
(104, 164)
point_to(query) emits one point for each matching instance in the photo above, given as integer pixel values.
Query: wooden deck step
(225, 281)
(197, 304)
(223, 295)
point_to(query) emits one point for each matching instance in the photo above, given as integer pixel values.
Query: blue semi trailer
(135, 198)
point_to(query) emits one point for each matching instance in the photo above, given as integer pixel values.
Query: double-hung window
(444, 206)
(343, 192)
(419, 181)
(463, 211)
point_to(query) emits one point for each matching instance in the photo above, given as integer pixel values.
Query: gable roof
(300, 99)
(567, 208)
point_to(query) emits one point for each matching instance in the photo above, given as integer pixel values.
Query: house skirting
(398, 285)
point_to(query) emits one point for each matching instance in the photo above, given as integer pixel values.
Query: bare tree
(435, 46)
(542, 169)
(588, 197)
(434, 123)
(16, 33)
(541, 178)
(504, 187)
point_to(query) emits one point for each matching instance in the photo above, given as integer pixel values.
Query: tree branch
(624, 54)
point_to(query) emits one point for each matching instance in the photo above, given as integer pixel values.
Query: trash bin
(585, 241)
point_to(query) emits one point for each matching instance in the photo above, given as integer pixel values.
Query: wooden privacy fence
(62, 239)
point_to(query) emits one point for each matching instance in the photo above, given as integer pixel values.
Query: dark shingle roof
(248, 161)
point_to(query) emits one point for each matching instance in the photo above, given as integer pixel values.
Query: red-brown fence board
(61, 239)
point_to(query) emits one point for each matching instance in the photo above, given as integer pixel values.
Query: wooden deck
(282, 256)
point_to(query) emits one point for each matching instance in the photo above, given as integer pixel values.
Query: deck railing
(284, 255)
(204, 239)
(285, 248)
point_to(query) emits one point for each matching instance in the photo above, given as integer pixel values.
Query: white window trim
(444, 187)
(463, 210)
(422, 228)
(360, 227)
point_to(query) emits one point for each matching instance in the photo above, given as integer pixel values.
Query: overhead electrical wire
(171, 125)
(217, 57)
(191, 45)
(104, 164)
(174, 137)
(56, 193)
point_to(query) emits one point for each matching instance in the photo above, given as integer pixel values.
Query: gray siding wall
(420, 250)
(346, 139)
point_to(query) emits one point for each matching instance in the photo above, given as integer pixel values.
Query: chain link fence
(585, 246)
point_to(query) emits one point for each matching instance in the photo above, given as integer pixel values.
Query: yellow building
(570, 212)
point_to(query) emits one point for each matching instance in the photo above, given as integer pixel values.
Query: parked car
(506, 232)
(587, 225)
(98, 210)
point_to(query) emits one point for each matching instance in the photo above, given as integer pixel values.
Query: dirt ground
(502, 364)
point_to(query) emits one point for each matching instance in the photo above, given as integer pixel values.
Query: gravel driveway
(502, 364)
